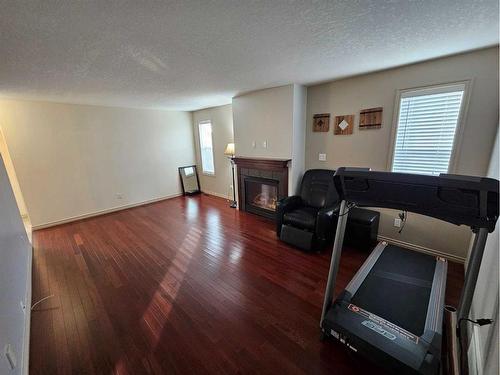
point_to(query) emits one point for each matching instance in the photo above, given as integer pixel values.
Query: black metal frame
(197, 179)
(460, 200)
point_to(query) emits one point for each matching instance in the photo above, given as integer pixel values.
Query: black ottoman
(362, 228)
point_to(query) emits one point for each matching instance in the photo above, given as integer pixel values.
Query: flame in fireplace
(264, 201)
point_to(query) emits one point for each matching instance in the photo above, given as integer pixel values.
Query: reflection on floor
(184, 286)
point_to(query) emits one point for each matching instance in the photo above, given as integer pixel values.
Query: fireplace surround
(261, 183)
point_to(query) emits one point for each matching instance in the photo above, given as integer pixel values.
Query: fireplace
(261, 183)
(261, 196)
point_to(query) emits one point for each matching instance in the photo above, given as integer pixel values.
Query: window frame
(433, 89)
(199, 144)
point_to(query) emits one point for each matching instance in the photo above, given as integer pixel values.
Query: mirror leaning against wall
(189, 180)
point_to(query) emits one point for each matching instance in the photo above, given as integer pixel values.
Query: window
(426, 129)
(206, 147)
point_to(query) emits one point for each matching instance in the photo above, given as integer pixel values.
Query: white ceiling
(188, 54)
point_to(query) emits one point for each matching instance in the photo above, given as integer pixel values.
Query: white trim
(217, 194)
(421, 249)
(459, 132)
(433, 89)
(464, 108)
(208, 121)
(102, 212)
(27, 316)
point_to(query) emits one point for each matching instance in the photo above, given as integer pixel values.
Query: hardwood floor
(184, 286)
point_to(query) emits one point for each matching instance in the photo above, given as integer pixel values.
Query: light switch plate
(322, 157)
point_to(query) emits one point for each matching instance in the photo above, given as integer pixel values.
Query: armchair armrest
(284, 205)
(289, 203)
(326, 219)
(332, 210)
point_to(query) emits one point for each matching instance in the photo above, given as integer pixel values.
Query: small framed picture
(370, 118)
(321, 122)
(343, 125)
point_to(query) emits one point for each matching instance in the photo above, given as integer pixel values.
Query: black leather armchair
(308, 220)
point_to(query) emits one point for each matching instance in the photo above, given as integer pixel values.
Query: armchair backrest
(318, 189)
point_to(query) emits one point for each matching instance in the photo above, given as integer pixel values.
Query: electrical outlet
(11, 356)
(397, 222)
(119, 196)
(264, 144)
(322, 157)
(254, 144)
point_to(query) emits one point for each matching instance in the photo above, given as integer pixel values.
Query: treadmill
(391, 312)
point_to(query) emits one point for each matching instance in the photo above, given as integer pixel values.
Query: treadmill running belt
(398, 288)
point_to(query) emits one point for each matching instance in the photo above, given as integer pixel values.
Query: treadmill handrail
(460, 200)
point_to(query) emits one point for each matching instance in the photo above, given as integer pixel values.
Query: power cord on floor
(350, 206)
(40, 301)
(479, 322)
(403, 216)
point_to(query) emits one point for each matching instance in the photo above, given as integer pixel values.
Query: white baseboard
(216, 194)
(102, 212)
(422, 249)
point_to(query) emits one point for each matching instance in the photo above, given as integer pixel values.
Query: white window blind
(206, 147)
(427, 124)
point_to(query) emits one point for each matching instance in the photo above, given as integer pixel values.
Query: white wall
(275, 116)
(370, 148)
(264, 115)
(485, 302)
(15, 279)
(4, 152)
(298, 162)
(222, 134)
(73, 160)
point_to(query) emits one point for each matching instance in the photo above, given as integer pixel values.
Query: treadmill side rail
(434, 321)
(334, 263)
(365, 269)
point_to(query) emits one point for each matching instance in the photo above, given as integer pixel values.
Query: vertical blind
(426, 129)
(206, 147)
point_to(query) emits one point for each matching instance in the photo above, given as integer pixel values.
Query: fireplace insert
(261, 196)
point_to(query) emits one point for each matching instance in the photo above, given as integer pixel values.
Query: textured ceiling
(189, 54)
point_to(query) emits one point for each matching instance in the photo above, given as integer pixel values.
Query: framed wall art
(370, 118)
(343, 125)
(321, 122)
